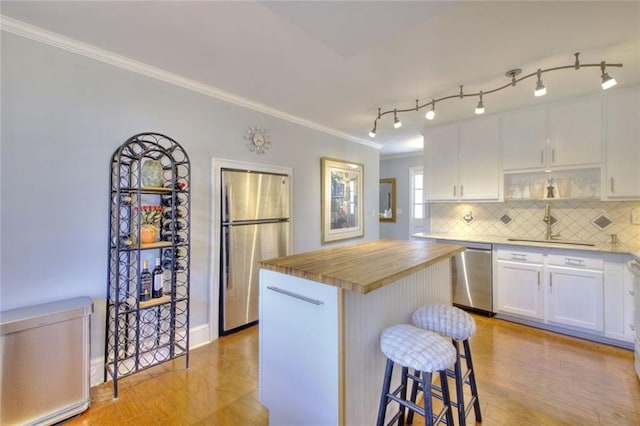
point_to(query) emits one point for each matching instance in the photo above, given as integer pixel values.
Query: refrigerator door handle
(226, 206)
(226, 253)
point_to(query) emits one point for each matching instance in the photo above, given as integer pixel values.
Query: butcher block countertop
(363, 267)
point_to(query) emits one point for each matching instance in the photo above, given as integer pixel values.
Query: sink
(570, 243)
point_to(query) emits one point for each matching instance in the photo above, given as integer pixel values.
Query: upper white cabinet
(524, 139)
(567, 134)
(441, 163)
(622, 142)
(575, 132)
(462, 161)
(480, 173)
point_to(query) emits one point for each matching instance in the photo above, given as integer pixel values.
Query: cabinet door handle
(542, 156)
(538, 280)
(553, 155)
(612, 185)
(550, 281)
(632, 327)
(462, 190)
(454, 190)
(631, 292)
(296, 295)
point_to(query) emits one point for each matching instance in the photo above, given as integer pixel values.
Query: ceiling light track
(540, 90)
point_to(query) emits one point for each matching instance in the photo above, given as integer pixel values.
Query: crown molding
(31, 32)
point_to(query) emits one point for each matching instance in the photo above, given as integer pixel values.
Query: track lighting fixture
(607, 82)
(480, 107)
(540, 89)
(431, 114)
(396, 123)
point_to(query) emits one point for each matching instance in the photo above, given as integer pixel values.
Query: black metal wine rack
(142, 334)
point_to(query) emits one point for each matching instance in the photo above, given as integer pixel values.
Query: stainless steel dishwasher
(472, 277)
(44, 362)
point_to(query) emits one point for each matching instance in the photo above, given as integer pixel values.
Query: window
(417, 200)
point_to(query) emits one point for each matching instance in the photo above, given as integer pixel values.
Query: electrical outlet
(635, 216)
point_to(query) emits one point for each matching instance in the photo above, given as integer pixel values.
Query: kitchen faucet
(547, 219)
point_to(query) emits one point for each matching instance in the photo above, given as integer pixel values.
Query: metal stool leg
(472, 381)
(386, 384)
(462, 418)
(446, 400)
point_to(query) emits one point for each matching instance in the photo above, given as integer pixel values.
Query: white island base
(320, 359)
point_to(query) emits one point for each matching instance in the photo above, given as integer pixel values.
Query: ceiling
(333, 63)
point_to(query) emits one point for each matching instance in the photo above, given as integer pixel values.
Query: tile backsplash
(574, 219)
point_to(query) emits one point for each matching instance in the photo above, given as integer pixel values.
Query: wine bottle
(168, 212)
(177, 225)
(168, 201)
(168, 236)
(145, 282)
(157, 279)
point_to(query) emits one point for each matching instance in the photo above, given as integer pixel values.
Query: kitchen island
(321, 314)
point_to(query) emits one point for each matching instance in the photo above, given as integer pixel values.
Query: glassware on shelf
(536, 189)
(564, 186)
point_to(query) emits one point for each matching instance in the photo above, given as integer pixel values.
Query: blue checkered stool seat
(459, 326)
(423, 352)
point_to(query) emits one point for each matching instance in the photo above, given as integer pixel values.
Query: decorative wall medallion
(258, 139)
(602, 222)
(506, 219)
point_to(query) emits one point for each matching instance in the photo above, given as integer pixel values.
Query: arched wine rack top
(152, 145)
(128, 158)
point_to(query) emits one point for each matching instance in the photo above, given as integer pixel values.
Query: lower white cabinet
(587, 294)
(520, 291)
(618, 298)
(575, 298)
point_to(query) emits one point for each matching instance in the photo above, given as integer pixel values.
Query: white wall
(399, 168)
(63, 115)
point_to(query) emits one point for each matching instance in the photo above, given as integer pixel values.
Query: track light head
(396, 123)
(540, 89)
(480, 107)
(431, 114)
(607, 81)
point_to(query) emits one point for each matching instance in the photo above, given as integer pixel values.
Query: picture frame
(341, 188)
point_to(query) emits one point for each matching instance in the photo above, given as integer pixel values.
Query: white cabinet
(441, 163)
(575, 298)
(567, 134)
(622, 142)
(575, 132)
(559, 288)
(524, 139)
(618, 298)
(519, 282)
(462, 161)
(298, 347)
(479, 167)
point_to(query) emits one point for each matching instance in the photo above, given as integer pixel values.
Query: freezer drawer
(44, 362)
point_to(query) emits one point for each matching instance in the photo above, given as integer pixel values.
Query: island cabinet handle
(296, 295)
(519, 256)
(632, 327)
(613, 186)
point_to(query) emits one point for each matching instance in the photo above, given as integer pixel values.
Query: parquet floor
(525, 377)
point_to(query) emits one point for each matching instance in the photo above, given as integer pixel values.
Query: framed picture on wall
(341, 200)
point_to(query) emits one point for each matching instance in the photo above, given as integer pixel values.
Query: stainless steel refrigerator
(255, 226)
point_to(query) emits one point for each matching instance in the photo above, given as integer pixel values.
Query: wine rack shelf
(143, 333)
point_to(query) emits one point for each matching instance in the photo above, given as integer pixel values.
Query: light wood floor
(525, 377)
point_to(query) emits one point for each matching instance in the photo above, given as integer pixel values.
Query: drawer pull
(296, 295)
(575, 262)
(519, 256)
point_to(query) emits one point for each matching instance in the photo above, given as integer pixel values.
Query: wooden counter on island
(321, 314)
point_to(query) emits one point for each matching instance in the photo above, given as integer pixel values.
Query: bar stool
(425, 352)
(458, 325)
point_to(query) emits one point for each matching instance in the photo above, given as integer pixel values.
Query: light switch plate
(635, 216)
